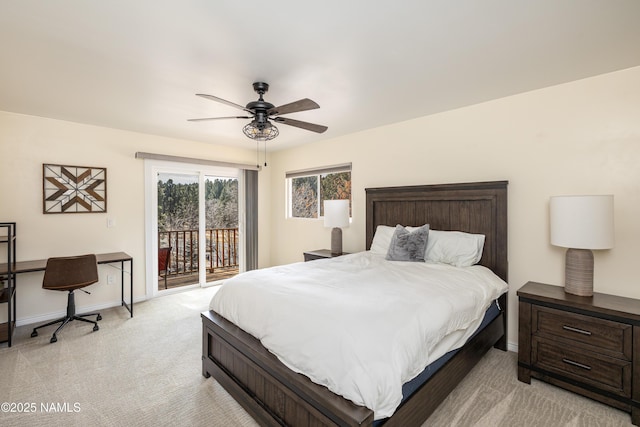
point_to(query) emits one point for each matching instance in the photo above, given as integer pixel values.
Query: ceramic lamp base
(336, 241)
(578, 279)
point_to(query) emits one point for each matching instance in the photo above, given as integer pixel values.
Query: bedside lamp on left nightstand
(336, 215)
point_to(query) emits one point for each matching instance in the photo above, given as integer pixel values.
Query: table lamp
(336, 215)
(581, 223)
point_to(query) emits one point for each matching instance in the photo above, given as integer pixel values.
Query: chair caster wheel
(99, 317)
(53, 339)
(95, 328)
(34, 334)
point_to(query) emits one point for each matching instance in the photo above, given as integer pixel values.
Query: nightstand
(320, 254)
(588, 345)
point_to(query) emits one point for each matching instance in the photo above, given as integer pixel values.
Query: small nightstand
(588, 345)
(320, 254)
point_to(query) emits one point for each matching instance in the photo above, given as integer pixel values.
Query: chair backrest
(69, 273)
(164, 255)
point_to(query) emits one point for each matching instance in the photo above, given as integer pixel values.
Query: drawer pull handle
(579, 365)
(580, 331)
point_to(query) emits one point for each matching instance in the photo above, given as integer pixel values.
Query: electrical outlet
(110, 279)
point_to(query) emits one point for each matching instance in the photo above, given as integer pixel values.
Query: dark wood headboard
(479, 208)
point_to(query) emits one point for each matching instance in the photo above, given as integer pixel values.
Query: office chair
(164, 255)
(69, 274)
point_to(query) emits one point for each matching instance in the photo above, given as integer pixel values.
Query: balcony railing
(221, 246)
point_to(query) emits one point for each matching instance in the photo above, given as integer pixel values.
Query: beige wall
(26, 142)
(577, 138)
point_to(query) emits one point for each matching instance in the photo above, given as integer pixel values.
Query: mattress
(358, 324)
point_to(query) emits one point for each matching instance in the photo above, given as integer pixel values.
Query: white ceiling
(136, 65)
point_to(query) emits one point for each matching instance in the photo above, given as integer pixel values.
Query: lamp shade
(336, 213)
(582, 222)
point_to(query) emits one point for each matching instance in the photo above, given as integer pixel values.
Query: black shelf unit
(8, 281)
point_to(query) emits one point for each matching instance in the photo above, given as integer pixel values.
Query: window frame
(318, 172)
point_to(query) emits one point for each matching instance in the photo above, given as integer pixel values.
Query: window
(308, 189)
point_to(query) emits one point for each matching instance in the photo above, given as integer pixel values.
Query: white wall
(26, 142)
(577, 138)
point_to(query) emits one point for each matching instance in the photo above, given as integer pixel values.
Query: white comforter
(358, 324)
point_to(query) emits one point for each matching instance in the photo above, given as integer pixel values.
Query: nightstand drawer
(598, 370)
(593, 334)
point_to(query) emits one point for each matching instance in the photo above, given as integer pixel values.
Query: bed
(275, 395)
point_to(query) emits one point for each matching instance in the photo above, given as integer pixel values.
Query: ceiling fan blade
(299, 124)
(293, 107)
(219, 118)
(224, 101)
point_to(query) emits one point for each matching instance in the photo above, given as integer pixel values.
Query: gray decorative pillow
(408, 245)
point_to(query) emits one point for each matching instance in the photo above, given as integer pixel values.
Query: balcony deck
(190, 279)
(221, 245)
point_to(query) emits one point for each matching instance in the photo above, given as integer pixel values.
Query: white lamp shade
(582, 222)
(336, 213)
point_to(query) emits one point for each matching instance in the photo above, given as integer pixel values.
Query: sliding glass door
(222, 227)
(178, 229)
(194, 221)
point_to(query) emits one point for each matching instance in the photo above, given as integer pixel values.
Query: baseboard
(512, 347)
(85, 309)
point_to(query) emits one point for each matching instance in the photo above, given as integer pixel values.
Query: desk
(110, 258)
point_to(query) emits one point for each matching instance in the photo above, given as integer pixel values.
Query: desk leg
(129, 306)
(131, 286)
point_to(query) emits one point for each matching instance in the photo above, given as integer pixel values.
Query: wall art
(74, 189)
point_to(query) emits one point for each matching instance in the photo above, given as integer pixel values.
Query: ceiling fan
(262, 113)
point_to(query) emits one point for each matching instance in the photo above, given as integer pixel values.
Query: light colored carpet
(146, 371)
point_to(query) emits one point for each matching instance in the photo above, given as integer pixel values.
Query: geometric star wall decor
(73, 189)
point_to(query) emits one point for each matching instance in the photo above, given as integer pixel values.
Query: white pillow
(454, 247)
(382, 239)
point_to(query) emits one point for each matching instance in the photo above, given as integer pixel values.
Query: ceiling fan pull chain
(257, 154)
(265, 154)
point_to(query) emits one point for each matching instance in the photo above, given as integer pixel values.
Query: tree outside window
(308, 192)
(304, 197)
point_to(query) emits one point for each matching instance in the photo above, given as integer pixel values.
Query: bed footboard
(268, 390)
(276, 396)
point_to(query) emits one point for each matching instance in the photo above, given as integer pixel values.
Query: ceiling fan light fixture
(260, 131)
